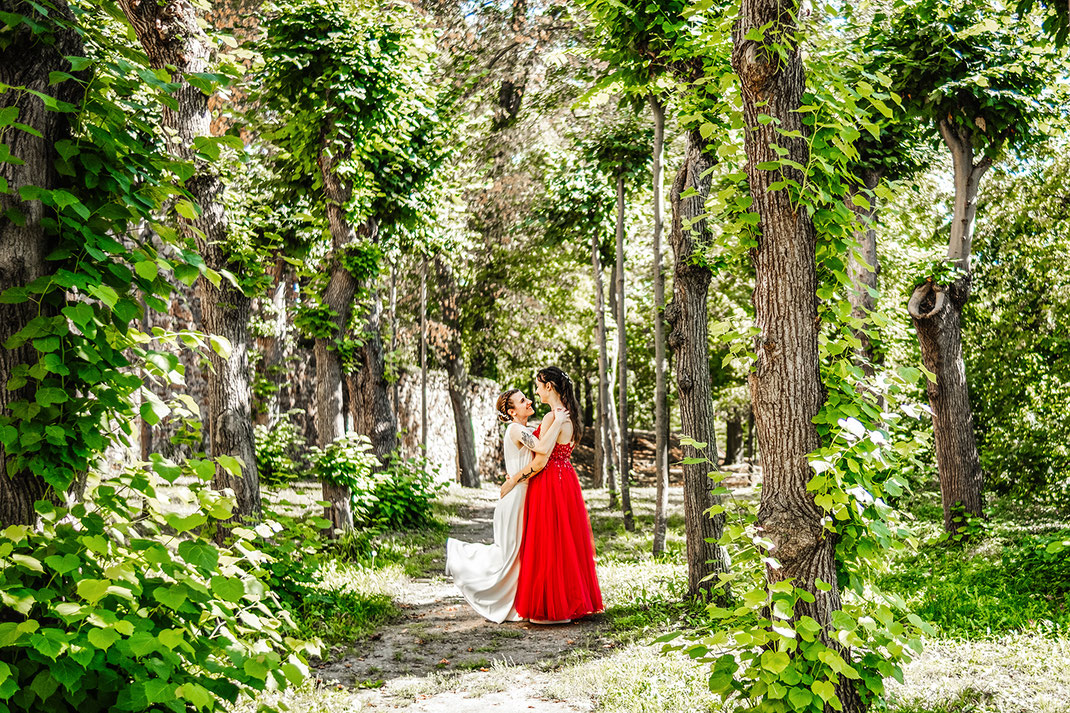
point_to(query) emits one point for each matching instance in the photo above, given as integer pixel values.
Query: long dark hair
(558, 379)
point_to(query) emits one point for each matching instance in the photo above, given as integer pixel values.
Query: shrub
(119, 605)
(396, 495)
(278, 450)
(403, 495)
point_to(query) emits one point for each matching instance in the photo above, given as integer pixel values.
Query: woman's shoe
(545, 622)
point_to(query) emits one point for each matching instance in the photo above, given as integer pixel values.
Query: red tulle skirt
(557, 575)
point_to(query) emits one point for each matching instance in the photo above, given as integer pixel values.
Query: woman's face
(521, 406)
(543, 390)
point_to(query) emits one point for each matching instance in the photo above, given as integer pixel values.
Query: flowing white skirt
(487, 575)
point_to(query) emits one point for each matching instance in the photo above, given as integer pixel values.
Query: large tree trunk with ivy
(338, 298)
(174, 40)
(661, 411)
(863, 265)
(457, 376)
(936, 310)
(688, 317)
(785, 383)
(24, 242)
(622, 368)
(373, 413)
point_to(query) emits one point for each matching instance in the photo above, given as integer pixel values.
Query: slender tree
(661, 411)
(688, 317)
(457, 374)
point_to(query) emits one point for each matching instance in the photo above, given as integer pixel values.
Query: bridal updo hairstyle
(564, 387)
(505, 402)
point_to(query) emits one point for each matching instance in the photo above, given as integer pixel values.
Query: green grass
(1001, 582)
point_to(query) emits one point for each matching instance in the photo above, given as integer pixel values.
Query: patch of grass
(473, 665)
(990, 588)
(340, 616)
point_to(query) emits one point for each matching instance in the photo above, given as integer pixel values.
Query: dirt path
(442, 656)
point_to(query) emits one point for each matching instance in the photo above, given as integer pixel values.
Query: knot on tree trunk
(753, 62)
(673, 313)
(927, 301)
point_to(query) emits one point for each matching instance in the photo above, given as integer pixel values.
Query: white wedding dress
(487, 575)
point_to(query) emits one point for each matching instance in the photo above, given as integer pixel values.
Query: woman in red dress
(557, 575)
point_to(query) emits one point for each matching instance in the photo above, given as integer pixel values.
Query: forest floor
(433, 653)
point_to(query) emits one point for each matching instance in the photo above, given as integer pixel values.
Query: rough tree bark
(937, 313)
(661, 411)
(373, 414)
(172, 38)
(688, 318)
(622, 368)
(864, 266)
(272, 346)
(457, 377)
(785, 382)
(27, 62)
(338, 296)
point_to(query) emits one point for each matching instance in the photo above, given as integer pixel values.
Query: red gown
(557, 575)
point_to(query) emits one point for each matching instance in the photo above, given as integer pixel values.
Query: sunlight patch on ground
(638, 679)
(1022, 673)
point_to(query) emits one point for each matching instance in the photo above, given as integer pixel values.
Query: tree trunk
(733, 440)
(863, 264)
(26, 62)
(172, 38)
(661, 411)
(602, 449)
(339, 297)
(588, 400)
(937, 312)
(373, 415)
(622, 368)
(457, 377)
(423, 359)
(395, 393)
(272, 346)
(785, 382)
(688, 318)
(612, 434)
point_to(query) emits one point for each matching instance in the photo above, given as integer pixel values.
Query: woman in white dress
(486, 575)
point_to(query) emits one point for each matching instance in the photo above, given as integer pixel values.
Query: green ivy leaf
(172, 596)
(202, 555)
(775, 661)
(93, 590)
(103, 638)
